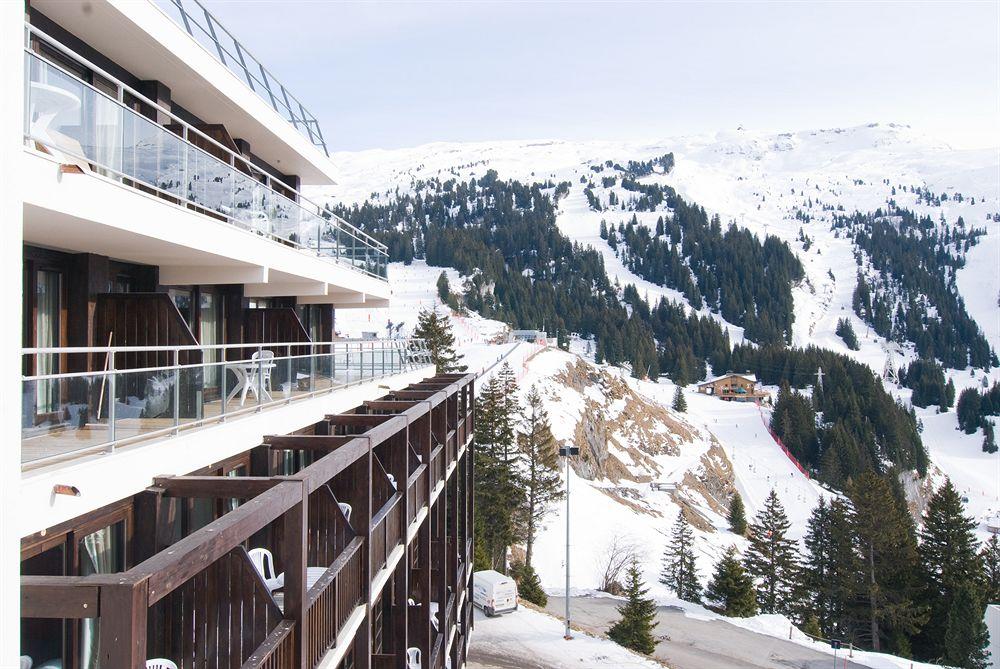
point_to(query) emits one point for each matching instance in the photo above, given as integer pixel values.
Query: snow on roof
(748, 377)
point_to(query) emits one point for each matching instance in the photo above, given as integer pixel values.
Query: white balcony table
(248, 376)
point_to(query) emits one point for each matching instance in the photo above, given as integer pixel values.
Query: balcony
(187, 589)
(93, 131)
(213, 77)
(151, 392)
(201, 25)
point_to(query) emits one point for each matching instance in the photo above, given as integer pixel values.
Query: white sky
(393, 74)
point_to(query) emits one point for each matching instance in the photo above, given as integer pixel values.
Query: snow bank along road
(527, 639)
(689, 643)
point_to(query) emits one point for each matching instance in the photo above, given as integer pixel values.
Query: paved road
(699, 644)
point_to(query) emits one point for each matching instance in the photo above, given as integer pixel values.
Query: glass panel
(77, 421)
(92, 130)
(48, 302)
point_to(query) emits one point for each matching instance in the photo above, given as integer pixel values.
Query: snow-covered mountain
(759, 181)
(789, 185)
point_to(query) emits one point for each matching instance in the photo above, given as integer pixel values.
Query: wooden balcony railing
(437, 654)
(212, 604)
(449, 612)
(386, 532)
(383, 661)
(329, 530)
(332, 600)
(437, 466)
(416, 493)
(203, 604)
(451, 444)
(277, 651)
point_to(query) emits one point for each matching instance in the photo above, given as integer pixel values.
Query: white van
(493, 592)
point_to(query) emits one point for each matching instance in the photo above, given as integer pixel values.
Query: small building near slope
(733, 387)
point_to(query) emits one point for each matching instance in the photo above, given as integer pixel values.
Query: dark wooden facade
(393, 576)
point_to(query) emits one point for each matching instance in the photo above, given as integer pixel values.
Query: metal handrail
(365, 360)
(186, 128)
(205, 347)
(237, 63)
(415, 349)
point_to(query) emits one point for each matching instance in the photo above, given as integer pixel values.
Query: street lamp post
(567, 452)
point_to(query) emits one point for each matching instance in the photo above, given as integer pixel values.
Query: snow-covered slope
(769, 183)
(756, 180)
(629, 439)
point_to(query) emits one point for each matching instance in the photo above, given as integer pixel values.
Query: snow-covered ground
(529, 636)
(414, 288)
(597, 521)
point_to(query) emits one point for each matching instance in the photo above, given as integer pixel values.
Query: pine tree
(436, 332)
(529, 587)
(541, 478)
(680, 404)
(634, 629)
(948, 561)
(990, 555)
(966, 636)
(846, 332)
(499, 490)
(989, 438)
(444, 290)
(679, 571)
(811, 626)
(511, 407)
(732, 587)
(770, 558)
(890, 565)
(737, 515)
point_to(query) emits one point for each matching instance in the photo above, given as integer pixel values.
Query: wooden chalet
(732, 387)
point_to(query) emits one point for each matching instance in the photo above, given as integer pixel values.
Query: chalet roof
(749, 377)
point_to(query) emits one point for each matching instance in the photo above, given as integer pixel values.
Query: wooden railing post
(124, 608)
(294, 526)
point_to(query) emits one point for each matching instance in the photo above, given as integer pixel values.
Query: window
(100, 552)
(210, 333)
(182, 299)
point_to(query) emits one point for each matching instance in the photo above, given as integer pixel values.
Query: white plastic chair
(263, 562)
(413, 658)
(346, 509)
(258, 375)
(160, 663)
(392, 481)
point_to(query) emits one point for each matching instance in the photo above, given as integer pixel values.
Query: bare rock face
(619, 430)
(712, 483)
(621, 434)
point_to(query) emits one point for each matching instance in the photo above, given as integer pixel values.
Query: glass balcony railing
(205, 29)
(85, 126)
(71, 413)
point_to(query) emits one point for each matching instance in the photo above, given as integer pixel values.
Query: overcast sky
(394, 74)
